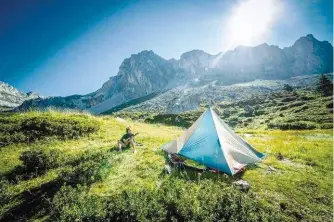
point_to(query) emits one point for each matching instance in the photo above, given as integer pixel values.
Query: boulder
(248, 109)
(242, 185)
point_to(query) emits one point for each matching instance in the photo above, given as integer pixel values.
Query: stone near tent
(242, 185)
(168, 169)
(271, 170)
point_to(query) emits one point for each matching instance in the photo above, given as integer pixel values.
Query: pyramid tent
(209, 141)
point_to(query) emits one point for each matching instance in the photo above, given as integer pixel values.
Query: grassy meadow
(73, 172)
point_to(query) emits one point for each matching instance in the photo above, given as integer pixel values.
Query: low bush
(326, 126)
(288, 99)
(301, 125)
(259, 112)
(38, 160)
(90, 169)
(174, 200)
(329, 104)
(183, 120)
(76, 204)
(302, 108)
(4, 194)
(291, 105)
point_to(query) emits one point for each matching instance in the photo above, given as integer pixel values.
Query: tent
(209, 141)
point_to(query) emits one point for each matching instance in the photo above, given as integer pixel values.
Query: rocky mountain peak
(147, 73)
(195, 61)
(142, 60)
(10, 97)
(33, 95)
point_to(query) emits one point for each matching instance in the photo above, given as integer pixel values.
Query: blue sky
(73, 47)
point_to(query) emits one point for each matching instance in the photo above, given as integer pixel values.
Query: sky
(61, 47)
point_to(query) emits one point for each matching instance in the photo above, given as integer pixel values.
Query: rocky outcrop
(10, 97)
(308, 56)
(140, 75)
(195, 62)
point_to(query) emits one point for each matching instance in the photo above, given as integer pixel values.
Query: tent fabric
(176, 145)
(211, 142)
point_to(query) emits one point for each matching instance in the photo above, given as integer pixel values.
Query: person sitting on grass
(127, 139)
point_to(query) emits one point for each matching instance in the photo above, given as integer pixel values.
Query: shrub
(4, 194)
(89, 168)
(174, 200)
(291, 105)
(76, 204)
(185, 119)
(325, 86)
(292, 125)
(259, 112)
(302, 108)
(288, 99)
(326, 126)
(329, 104)
(38, 160)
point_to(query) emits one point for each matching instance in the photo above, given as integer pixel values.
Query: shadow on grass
(20, 173)
(36, 201)
(192, 173)
(116, 149)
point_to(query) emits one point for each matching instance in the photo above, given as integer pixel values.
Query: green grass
(86, 179)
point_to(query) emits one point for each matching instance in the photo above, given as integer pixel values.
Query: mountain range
(147, 76)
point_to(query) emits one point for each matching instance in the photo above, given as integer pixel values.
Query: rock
(248, 109)
(168, 169)
(271, 169)
(242, 185)
(118, 119)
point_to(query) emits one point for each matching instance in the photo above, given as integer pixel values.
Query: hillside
(300, 108)
(69, 176)
(147, 73)
(183, 99)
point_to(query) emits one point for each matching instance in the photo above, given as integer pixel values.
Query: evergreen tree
(325, 86)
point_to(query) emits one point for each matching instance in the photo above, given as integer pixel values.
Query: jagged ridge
(145, 73)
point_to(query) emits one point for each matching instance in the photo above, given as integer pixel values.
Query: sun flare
(251, 21)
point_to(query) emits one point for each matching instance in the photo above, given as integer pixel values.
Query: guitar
(128, 140)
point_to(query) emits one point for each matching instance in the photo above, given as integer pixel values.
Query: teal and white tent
(209, 141)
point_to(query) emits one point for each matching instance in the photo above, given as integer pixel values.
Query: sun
(251, 21)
